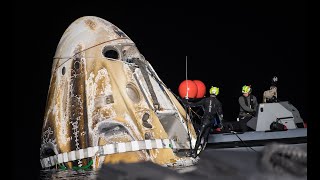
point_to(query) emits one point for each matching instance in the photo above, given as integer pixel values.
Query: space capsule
(106, 103)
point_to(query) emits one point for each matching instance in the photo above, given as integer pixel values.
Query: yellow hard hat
(214, 90)
(246, 89)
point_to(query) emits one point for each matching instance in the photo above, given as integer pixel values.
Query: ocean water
(53, 174)
(213, 164)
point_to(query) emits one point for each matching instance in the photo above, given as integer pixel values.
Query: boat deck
(257, 138)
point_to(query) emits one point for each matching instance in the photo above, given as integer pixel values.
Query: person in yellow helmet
(212, 115)
(248, 107)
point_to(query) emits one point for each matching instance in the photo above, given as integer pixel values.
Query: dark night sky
(228, 44)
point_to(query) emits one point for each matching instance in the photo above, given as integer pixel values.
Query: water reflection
(53, 174)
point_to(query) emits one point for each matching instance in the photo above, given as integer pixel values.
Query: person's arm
(220, 112)
(264, 100)
(243, 105)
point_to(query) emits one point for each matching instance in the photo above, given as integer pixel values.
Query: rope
(86, 167)
(235, 133)
(195, 113)
(69, 58)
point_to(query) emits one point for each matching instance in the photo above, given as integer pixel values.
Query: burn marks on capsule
(48, 146)
(145, 122)
(118, 32)
(102, 101)
(78, 107)
(91, 24)
(111, 130)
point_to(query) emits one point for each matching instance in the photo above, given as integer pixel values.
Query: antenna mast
(187, 96)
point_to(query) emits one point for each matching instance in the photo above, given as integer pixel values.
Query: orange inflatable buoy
(201, 88)
(188, 88)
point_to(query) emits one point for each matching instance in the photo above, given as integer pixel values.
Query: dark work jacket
(210, 105)
(248, 105)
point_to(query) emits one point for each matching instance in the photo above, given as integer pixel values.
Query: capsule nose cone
(89, 31)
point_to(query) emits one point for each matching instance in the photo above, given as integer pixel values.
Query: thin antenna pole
(187, 96)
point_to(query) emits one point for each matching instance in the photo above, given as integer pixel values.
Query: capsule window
(63, 70)
(110, 52)
(133, 93)
(77, 65)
